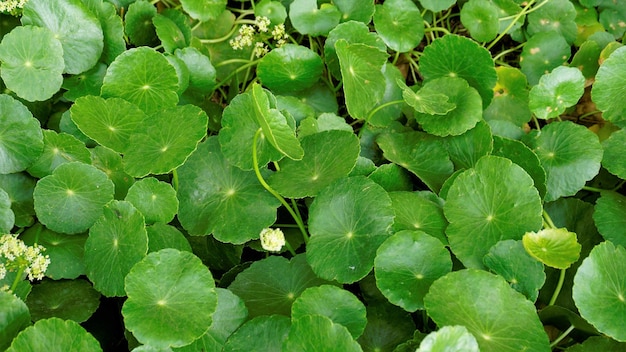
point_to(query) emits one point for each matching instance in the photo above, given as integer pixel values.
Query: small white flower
(262, 23)
(260, 49)
(18, 255)
(272, 240)
(3, 271)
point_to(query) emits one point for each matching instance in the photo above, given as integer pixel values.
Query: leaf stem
(558, 288)
(382, 106)
(175, 180)
(255, 163)
(18, 277)
(220, 39)
(513, 22)
(548, 220)
(562, 336)
(593, 189)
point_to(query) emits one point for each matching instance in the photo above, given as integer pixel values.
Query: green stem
(175, 180)
(436, 29)
(562, 336)
(513, 22)
(382, 106)
(289, 248)
(236, 72)
(220, 39)
(558, 288)
(18, 278)
(395, 58)
(548, 220)
(593, 189)
(280, 198)
(508, 51)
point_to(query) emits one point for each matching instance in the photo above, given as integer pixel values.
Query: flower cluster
(16, 255)
(10, 6)
(247, 36)
(272, 240)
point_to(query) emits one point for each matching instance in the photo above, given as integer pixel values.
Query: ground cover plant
(302, 175)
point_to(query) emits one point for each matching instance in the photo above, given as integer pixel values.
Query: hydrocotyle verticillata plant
(337, 175)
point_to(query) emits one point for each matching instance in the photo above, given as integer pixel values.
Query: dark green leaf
(67, 299)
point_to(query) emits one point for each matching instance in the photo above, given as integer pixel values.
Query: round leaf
(143, 77)
(613, 151)
(81, 38)
(71, 199)
(204, 10)
(111, 163)
(556, 16)
(557, 248)
(406, 264)
(15, 317)
(348, 220)
(19, 187)
(307, 18)
(116, 242)
(569, 153)
(220, 199)
(161, 236)
(510, 260)
(290, 68)
(66, 334)
(271, 285)
(67, 299)
(521, 155)
(112, 29)
(138, 23)
(543, 52)
(437, 5)
(21, 138)
(202, 74)
(355, 10)
(556, 91)
(457, 56)
(467, 148)
(267, 331)
(415, 212)
(476, 299)
(86, 83)
(510, 102)
(32, 54)
(156, 200)
(110, 122)
(494, 201)
(58, 149)
(607, 92)
(346, 309)
(165, 143)
(609, 217)
(316, 332)
(328, 156)
(171, 298)
(600, 289)
(481, 19)
(7, 217)
(399, 23)
(453, 338)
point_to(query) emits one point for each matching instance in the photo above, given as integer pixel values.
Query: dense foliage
(302, 175)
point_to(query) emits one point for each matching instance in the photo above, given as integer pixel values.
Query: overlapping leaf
(399, 23)
(66, 334)
(607, 92)
(556, 91)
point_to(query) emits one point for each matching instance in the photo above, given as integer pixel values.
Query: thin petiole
(558, 288)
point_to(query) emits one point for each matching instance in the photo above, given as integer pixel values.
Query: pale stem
(558, 288)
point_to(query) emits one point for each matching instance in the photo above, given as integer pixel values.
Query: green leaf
(388, 110)
(31, 54)
(607, 91)
(459, 298)
(156, 200)
(171, 36)
(71, 199)
(271, 285)
(542, 53)
(21, 138)
(556, 91)
(426, 100)
(609, 217)
(521, 155)
(406, 264)
(392, 178)
(275, 11)
(510, 260)
(161, 236)
(204, 10)
(600, 287)
(598, 343)
(7, 217)
(66, 252)
(457, 56)
(220, 199)
(86, 83)
(387, 327)
(496, 200)
(110, 163)
(361, 70)
(355, 10)
(58, 149)
(348, 220)
(399, 23)
(144, 77)
(307, 18)
(510, 102)
(268, 332)
(81, 38)
(15, 317)
(346, 309)
(415, 212)
(290, 68)
(613, 151)
(110, 122)
(116, 242)
(171, 299)
(138, 23)
(437, 5)
(422, 154)
(556, 16)
(557, 248)
(112, 29)
(239, 125)
(570, 155)
(481, 19)
(166, 142)
(67, 299)
(312, 332)
(328, 156)
(275, 126)
(66, 334)
(467, 148)
(454, 338)
(19, 187)
(202, 74)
